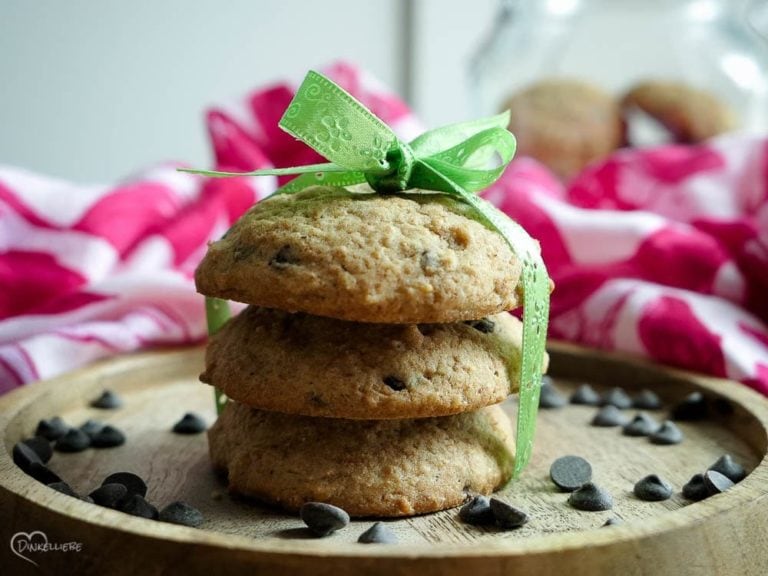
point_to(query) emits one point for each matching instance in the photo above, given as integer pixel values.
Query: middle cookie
(314, 366)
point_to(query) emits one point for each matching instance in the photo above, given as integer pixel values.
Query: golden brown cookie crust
(565, 124)
(315, 366)
(368, 468)
(690, 114)
(363, 257)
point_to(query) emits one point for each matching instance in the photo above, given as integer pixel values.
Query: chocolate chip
(477, 512)
(107, 401)
(591, 498)
(108, 437)
(549, 396)
(64, 488)
(283, 258)
(42, 473)
(378, 534)
(653, 489)
(429, 262)
(75, 440)
(133, 483)
(92, 427)
(135, 505)
(507, 516)
(641, 425)
(613, 521)
(181, 513)
(323, 519)
(609, 416)
(395, 383)
(109, 495)
(646, 400)
(586, 395)
(52, 429)
(695, 489)
(484, 325)
(570, 473)
(24, 456)
(693, 407)
(668, 433)
(616, 397)
(190, 423)
(729, 468)
(716, 482)
(41, 447)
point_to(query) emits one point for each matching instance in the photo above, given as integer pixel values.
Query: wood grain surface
(726, 534)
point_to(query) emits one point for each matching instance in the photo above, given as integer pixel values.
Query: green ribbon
(453, 160)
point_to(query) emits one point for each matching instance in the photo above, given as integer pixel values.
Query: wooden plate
(725, 534)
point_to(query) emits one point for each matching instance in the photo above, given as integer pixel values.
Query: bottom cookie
(369, 468)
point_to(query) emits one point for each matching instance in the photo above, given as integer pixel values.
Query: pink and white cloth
(659, 252)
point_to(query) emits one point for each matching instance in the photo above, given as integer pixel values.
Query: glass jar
(710, 45)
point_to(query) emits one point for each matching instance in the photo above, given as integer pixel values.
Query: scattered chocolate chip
(133, 483)
(507, 516)
(570, 473)
(75, 440)
(92, 427)
(695, 489)
(284, 258)
(641, 425)
(40, 446)
(586, 395)
(477, 512)
(613, 521)
(609, 416)
(484, 325)
(378, 534)
(591, 498)
(107, 401)
(181, 513)
(395, 383)
(616, 397)
(64, 488)
(693, 407)
(716, 482)
(653, 489)
(550, 397)
(24, 456)
(729, 468)
(42, 473)
(323, 519)
(51, 429)
(646, 400)
(190, 423)
(135, 505)
(668, 433)
(108, 437)
(109, 495)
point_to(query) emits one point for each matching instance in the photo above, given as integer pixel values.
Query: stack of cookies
(367, 368)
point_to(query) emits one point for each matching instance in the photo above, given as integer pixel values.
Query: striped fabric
(659, 252)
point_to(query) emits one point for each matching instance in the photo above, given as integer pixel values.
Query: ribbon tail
(326, 167)
(534, 295)
(341, 179)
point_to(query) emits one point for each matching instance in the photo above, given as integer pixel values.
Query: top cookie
(363, 257)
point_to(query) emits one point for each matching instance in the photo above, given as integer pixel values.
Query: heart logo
(21, 542)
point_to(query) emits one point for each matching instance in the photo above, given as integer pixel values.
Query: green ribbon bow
(452, 160)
